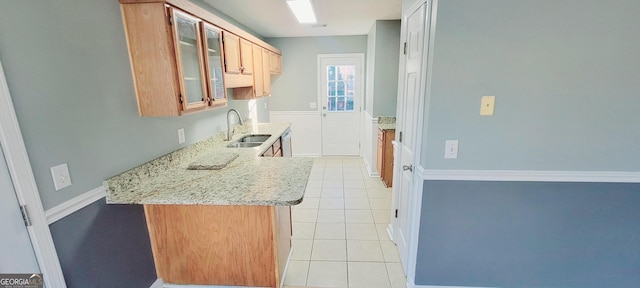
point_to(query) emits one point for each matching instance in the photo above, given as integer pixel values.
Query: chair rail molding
(74, 204)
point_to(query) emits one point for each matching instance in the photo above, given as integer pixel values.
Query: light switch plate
(181, 136)
(451, 149)
(487, 104)
(61, 177)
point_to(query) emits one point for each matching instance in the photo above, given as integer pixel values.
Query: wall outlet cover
(61, 177)
(487, 104)
(313, 105)
(181, 137)
(451, 149)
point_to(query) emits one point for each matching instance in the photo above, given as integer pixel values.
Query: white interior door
(16, 252)
(340, 82)
(410, 102)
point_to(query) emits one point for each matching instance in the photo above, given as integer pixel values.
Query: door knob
(407, 167)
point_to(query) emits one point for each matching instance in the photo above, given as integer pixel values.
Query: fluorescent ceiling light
(303, 10)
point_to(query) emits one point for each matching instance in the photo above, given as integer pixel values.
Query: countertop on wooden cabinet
(387, 123)
(247, 180)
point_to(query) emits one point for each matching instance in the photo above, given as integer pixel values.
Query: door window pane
(340, 83)
(331, 88)
(340, 104)
(331, 73)
(332, 104)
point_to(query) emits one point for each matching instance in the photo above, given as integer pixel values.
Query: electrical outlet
(181, 136)
(313, 105)
(451, 149)
(61, 177)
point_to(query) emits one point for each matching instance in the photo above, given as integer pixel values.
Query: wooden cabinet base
(385, 155)
(219, 245)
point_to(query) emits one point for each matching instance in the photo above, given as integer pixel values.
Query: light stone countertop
(386, 123)
(247, 180)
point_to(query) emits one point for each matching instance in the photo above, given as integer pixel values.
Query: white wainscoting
(494, 175)
(369, 143)
(306, 128)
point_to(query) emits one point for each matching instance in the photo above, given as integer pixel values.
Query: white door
(16, 252)
(410, 101)
(340, 97)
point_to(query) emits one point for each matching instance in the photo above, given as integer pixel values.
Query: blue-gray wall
(105, 246)
(385, 63)
(529, 234)
(297, 86)
(68, 71)
(565, 76)
(69, 76)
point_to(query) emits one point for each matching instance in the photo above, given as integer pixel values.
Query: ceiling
(272, 18)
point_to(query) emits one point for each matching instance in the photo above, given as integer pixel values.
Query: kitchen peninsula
(230, 226)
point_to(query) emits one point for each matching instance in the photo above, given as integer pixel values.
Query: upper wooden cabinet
(175, 58)
(261, 76)
(276, 63)
(179, 61)
(238, 61)
(266, 70)
(214, 58)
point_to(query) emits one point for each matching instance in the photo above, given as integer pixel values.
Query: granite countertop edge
(248, 180)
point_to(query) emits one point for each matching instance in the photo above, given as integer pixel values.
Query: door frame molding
(361, 59)
(415, 209)
(26, 189)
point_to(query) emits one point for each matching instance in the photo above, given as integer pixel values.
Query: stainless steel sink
(244, 144)
(257, 138)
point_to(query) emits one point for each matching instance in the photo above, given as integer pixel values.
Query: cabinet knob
(407, 167)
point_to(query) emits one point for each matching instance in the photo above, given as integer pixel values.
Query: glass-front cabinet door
(189, 59)
(214, 58)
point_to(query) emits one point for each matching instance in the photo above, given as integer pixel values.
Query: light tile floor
(339, 230)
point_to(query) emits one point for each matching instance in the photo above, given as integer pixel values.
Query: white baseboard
(74, 204)
(157, 284)
(531, 175)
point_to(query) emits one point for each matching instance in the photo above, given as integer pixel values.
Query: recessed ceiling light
(303, 10)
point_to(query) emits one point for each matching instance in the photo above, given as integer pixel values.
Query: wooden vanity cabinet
(385, 155)
(219, 244)
(168, 61)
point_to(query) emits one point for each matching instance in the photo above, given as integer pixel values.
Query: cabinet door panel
(231, 53)
(266, 71)
(258, 81)
(246, 57)
(188, 48)
(215, 86)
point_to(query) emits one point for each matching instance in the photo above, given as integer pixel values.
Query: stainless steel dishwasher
(286, 144)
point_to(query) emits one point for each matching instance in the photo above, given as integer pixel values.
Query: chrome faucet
(229, 131)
